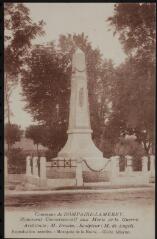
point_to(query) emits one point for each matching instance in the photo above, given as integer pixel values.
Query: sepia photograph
(79, 120)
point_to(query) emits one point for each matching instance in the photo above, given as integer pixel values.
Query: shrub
(16, 161)
(130, 147)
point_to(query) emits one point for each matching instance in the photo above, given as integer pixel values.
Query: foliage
(45, 95)
(17, 161)
(133, 103)
(13, 134)
(128, 146)
(135, 24)
(37, 134)
(19, 31)
(103, 91)
(134, 88)
(48, 99)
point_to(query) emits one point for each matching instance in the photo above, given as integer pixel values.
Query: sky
(63, 18)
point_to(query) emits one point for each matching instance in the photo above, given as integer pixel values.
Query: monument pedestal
(80, 145)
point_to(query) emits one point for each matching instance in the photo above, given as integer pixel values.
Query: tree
(133, 93)
(135, 25)
(8, 87)
(104, 95)
(130, 146)
(133, 103)
(19, 30)
(13, 134)
(46, 98)
(37, 134)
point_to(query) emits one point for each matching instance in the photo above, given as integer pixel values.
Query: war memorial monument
(80, 162)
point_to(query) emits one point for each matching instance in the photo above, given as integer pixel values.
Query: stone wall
(53, 173)
(89, 176)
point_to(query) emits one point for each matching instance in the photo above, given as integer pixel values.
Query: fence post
(145, 172)
(43, 180)
(35, 167)
(42, 167)
(114, 173)
(129, 167)
(79, 176)
(152, 165)
(28, 166)
(5, 166)
(144, 164)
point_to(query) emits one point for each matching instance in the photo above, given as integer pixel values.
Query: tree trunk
(6, 95)
(147, 148)
(38, 150)
(8, 147)
(101, 144)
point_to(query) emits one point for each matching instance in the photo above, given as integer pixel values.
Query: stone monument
(79, 144)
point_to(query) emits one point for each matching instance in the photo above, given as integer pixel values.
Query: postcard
(79, 104)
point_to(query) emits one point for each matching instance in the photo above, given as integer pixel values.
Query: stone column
(79, 176)
(43, 180)
(42, 167)
(28, 166)
(144, 164)
(145, 172)
(152, 165)
(35, 167)
(114, 173)
(129, 167)
(5, 166)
